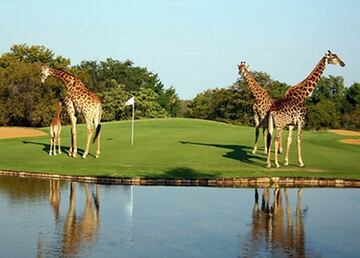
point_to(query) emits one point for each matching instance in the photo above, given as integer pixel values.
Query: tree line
(24, 101)
(331, 104)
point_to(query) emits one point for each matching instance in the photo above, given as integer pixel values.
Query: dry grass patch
(351, 141)
(14, 132)
(345, 132)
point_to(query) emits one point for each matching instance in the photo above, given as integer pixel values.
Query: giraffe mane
(68, 73)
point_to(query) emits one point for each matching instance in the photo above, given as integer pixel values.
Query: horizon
(193, 46)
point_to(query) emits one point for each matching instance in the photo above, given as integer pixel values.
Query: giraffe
(263, 102)
(55, 131)
(82, 99)
(290, 110)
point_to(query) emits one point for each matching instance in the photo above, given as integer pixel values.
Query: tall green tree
(326, 103)
(23, 99)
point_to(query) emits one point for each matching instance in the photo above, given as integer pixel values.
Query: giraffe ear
(329, 52)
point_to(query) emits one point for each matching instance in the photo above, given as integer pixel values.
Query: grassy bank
(180, 148)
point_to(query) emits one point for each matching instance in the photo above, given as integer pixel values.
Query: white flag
(130, 101)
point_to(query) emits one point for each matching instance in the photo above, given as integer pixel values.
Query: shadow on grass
(64, 149)
(237, 152)
(181, 173)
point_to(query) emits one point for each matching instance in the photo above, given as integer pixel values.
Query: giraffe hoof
(286, 163)
(301, 165)
(253, 152)
(84, 156)
(268, 166)
(50, 154)
(277, 165)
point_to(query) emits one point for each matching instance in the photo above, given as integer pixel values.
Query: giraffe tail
(97, 132)
(97, 124)
(270, 124)
(270, 127)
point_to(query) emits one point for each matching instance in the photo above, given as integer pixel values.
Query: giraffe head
(242, 67)
(333, 59)
(45, 72)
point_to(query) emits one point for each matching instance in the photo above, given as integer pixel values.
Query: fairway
(180, 148)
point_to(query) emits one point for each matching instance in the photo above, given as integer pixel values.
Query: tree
(23, 101)
(326, 104)
(106, 75)
(351, 117)
(33, 54)
(114, 81)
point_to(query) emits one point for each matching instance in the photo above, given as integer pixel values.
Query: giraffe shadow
(64, 149)
(237, 152)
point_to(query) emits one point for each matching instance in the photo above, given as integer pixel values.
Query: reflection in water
(77, 231)
(273, 230)
(67, 219)
(54, 198)
(81, 231)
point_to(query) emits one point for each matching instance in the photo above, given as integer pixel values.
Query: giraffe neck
(257, 91)
(308, 85)
(58, 111)
(67, 78)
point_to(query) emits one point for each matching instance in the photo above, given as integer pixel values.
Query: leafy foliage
(331, 105)
(24, 101)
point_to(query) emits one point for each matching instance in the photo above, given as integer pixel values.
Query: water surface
(41, 218)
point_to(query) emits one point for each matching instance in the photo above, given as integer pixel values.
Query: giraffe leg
(59, 145)
(289, 141)
(51, 144)
(54, 143)
(301, 163)
(90, 131)
(71, 112)
(73, 148)
(51, 139)
(277, 145)
(257, 129)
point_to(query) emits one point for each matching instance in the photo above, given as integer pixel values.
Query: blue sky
(193, 45)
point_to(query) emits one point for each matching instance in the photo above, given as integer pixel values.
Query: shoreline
(237, 182)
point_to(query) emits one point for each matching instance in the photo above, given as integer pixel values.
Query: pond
(42, 218)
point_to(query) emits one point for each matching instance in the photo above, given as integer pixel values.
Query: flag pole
(131, 101)
(132, 124)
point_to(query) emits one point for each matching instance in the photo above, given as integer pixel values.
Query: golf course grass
(180, 148)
